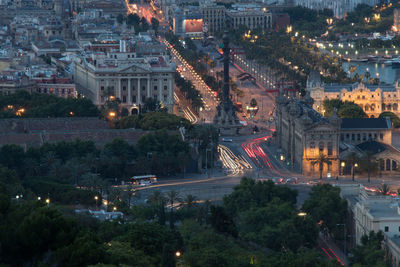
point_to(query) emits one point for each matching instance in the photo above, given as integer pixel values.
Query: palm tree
(190, 201)
(321, 160)
(369, 164)
(158, 199)
(352, 159)
(384, 189)
(172, 198)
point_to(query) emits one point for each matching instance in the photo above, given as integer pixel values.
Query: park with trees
(24, 104)
(258, 224)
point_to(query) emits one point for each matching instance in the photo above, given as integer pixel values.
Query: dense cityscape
(201, 133)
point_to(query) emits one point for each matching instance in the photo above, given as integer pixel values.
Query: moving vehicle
(144, 180)
(224, 139)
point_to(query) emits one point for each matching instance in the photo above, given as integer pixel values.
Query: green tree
(325, 205)
(222, 222)
(172, 198)
(351, 110)
(320, 161)
(352, 160)
(370, 252)
(393, 118)
(369, 164)
(384, 189)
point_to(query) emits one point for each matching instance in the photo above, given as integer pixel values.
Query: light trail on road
(232, 162)
(257, 154)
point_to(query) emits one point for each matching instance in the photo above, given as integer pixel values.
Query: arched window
(321, 147)
(329, 148)
(389, 107)
(395, 106)
(388, 164)
(312, 149)
(373, 107)
(383, 106)
(394, 165)
(366, 107)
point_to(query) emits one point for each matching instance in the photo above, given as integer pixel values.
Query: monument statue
(226, 120)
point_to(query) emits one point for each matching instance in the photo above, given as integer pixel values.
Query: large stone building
(253, 16)
(339, 7)
(127, 77)
(214, 16)
(303, 134)
(373, 99)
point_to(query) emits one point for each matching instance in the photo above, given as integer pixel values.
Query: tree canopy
(28, 105)
(393, 118)
(345, 109)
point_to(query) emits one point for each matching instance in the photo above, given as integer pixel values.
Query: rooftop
(350, 87)
(366, 123)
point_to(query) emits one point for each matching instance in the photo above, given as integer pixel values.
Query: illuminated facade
(250, 15)
(303, 134)
(214, 16)
(127, 77)
(373, 99)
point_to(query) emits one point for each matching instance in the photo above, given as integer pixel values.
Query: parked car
(227, 139)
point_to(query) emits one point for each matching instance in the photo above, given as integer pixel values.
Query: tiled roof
(366, 123)
(373, 146)
(350, 87)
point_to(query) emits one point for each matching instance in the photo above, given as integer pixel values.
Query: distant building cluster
(373, 99)
(197, 18)
(78, 48)
(339, 7)
(304, 135)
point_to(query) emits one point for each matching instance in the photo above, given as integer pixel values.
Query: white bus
(144, 180)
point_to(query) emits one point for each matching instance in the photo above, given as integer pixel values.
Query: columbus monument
(226, 120)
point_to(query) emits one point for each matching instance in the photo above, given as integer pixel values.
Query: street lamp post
(355, 165)
(96, 198)
(342, 164)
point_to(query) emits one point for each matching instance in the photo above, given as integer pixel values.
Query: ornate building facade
(373, 99)
(303, 134)
(127, 77)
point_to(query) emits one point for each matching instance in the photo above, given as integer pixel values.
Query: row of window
(321, 147)
(360, 137)
(51, 90)
(133, 98)
(388, 165)
(321, 136)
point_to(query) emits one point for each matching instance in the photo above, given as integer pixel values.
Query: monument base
(226, 120)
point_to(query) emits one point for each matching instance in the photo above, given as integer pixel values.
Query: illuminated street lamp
(302, 214)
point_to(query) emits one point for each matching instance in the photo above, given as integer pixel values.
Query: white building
(252, 16)
(339, 7)
(373, 212)
(127, 77)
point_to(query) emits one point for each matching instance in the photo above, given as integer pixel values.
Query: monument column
(226, 119)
